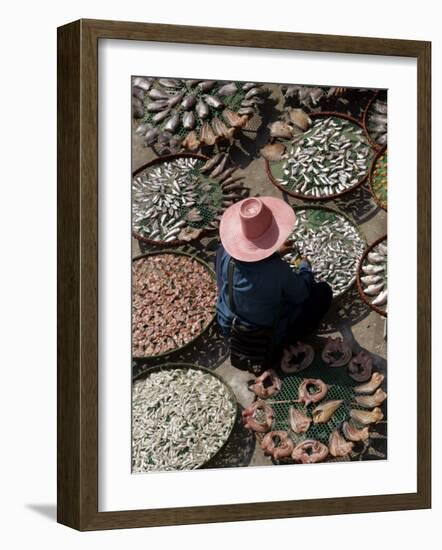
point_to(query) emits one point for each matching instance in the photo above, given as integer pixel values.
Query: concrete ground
(349, 316)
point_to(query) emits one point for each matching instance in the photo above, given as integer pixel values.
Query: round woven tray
(309, 198)
(161, 160)
(211, 273)
(339, 213)
(376, 146)
(358, 278)
(372, 169)
(171, 366)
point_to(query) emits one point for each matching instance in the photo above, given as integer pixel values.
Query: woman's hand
(285, 248)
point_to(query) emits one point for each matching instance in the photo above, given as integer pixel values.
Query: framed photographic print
(243, 275)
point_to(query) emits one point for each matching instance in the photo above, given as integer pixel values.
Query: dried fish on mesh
(328, 159)
(172, 197)
(377, 121)
(192, 113)
(180, 419)
(379, 180)
(332, 244)
(173, 301)
(374, 275)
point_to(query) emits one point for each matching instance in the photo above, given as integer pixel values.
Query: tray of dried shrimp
(190, 114)
(177, 198)
(322, 156)
(332, 243)
(173, 302)
(372, 279)
(379, 179)
(182, 416)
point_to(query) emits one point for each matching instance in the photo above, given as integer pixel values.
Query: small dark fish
(164, 138)
(142, 129)
(189, 101)
(159, 117)
(206, 85)
(213, 101)
(218, 169)
(151, 136)
(138, 92)
(157, 94)
(189, 120)
(246, 111)
(250, 102)
(252, 93)
(137, 108)
(173, 122)
(169, 83)
(228, 89)
(156, 106)
(202, 109)
(142, 83)
(211, 163)
(175, 99)
(228, 172)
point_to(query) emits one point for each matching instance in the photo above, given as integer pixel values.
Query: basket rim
(376, 146)
(206, 328)
(171, 366)
(309, 198)
(362, 294)
(372, 168)
(160, 160)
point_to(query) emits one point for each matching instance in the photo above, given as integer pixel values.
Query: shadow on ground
(238, 450)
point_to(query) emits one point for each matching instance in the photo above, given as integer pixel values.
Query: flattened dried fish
(277, 444)
(353, 434)
(367, 417)
(376, 380)
(338, 446)
(370, 401)
(323, 412)
(298, 422)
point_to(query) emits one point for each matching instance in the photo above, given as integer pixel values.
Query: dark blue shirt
(260, 290)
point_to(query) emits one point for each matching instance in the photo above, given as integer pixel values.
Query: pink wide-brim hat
(254, 228)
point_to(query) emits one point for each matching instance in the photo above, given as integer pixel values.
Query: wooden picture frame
(78, 274)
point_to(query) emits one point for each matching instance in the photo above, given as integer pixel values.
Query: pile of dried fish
(376, 121)
(374, 275)
(192, 113)
(173, 301)
(176, 199)
(180, 419)
(330, 158)
(378, 180)
(331, 243)
(311, 96)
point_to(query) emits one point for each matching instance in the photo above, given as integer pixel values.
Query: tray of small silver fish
(176, 198)
(192, 113)
(332, 243)
(182, 416)
(375, 120)
(372, 279)
(173, 302)
(331, 158)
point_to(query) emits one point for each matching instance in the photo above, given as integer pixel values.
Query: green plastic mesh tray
(341, 386)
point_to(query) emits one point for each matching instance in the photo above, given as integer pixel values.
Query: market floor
(348, 317)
